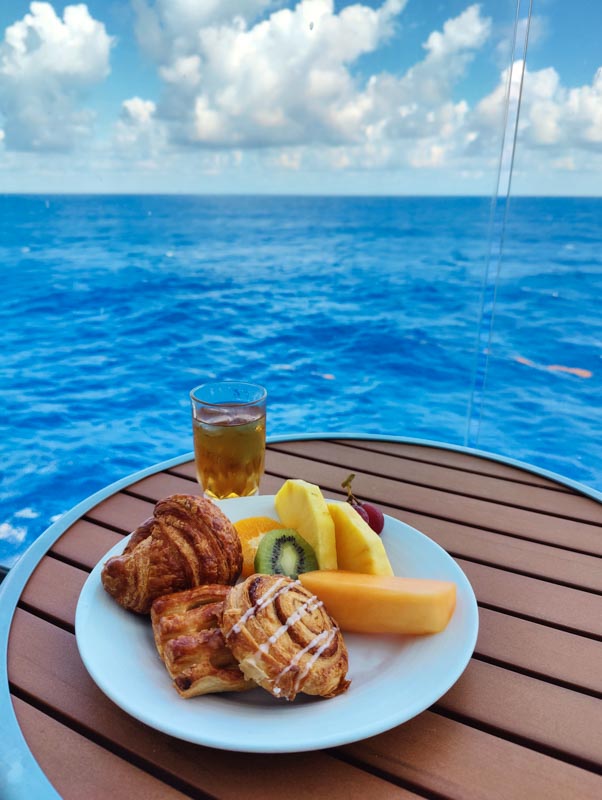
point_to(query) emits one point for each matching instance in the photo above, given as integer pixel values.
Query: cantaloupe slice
(383, 604)
(359, 548)
(301, 506)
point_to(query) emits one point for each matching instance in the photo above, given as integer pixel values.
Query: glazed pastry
(186, 627)
(187, 542)
(283, 638)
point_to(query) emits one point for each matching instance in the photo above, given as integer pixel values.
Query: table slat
(121, 511)
(44, 662)
(525, 708)
(496, 549)
(53, 591)
(456, 761)
(435, 476)
(489, 514)
(547, 652)
(453, 459)
(574, 610)
(100, 773)
(163, 484)
(85, 543)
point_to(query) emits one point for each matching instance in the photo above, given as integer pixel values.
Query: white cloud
(285, 81)
(10, 533)
(279, 86)
(552, 117)
(567, 163)
(27, 513)
(168, 29)
(258, 87)
(139, 137)
(47, 66)
(237, 80)
(462, 33)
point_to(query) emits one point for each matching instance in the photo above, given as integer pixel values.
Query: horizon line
(309, 195)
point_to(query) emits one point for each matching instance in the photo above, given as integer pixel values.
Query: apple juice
(229, 452)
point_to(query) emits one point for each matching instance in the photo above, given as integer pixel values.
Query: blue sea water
(357, 314)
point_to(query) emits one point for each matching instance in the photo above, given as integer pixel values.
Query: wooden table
(523, 721)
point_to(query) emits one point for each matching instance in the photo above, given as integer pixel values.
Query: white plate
(393, 678)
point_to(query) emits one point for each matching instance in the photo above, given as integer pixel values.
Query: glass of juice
(228, 426)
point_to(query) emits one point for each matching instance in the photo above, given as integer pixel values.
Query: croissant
(187, 542)
(186, 628)
(283, 638)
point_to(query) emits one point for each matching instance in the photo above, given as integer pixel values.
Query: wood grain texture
(543, 651)
(491, 514)
(163, 484)
(552, 717)
(435, 476)
(453, 760)
(85, 543)
(523, 721)
(536, 599)
(44, 662)
(61, 752)
(453, 459)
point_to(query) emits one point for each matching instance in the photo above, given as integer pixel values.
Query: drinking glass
(228, 425)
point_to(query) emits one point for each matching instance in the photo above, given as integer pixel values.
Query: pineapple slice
(359, 548)
(301, 506)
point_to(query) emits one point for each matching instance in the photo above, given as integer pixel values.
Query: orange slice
(250, 532)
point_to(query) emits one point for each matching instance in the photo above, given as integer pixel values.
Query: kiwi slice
(284, 552)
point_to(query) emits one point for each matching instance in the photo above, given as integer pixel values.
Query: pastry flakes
(186, 627)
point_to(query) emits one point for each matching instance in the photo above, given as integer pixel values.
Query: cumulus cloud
(12, 533)
(27, 513)
(237, 77)
(47, 66)
(552, 117)
(136, 122)
(283, 85)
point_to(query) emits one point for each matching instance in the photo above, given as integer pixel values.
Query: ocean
(376, 315)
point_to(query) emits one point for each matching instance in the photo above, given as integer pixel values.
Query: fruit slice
(300, 505)
(383, 604)
(359, 548)
(250, 532)
(284, 552)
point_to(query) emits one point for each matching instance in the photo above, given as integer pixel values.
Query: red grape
(375, 516)
(369, 513)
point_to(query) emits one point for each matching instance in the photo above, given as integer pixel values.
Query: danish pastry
(186, 628)
(283, 638)
(187, 542)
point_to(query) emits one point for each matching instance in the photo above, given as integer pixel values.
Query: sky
(310, 97)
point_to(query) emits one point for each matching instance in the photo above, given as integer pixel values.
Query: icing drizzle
(272, 593)
(310, 605)
(323, 639)
(328, 636)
